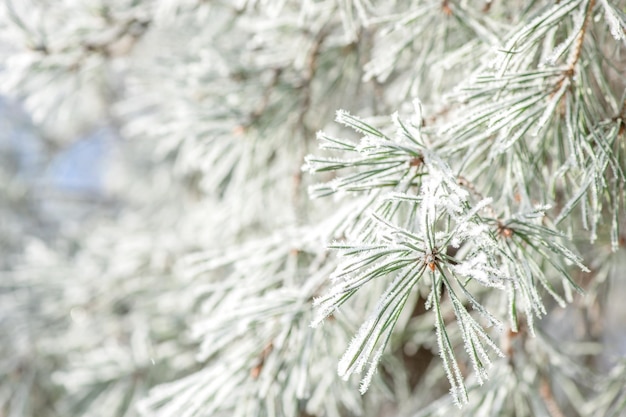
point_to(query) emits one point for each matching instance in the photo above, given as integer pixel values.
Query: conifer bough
(458, 227)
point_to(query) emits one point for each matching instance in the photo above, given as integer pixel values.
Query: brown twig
(256, 370)
(622, 118)
(265, 99)
(309, 74)
(548, 398)
(578, 45)
(576, 53)
(305, 103)
(487, 6)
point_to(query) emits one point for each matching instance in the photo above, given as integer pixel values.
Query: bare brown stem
(576, 52)
(578, 45)
(548, 398)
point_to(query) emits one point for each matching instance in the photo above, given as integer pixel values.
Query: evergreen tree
(450, 242)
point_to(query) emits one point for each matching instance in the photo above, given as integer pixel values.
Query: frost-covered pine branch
(455, 236)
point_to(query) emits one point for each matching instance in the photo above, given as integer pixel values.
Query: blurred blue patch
(82, 166)
(19, 142)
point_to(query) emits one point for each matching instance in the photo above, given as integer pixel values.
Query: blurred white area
(47, 187)
(615, 334)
